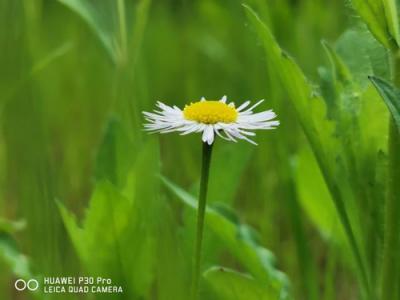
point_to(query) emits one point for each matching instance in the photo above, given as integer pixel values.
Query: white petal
(244, 105)
(223, 99)
(190, 129)
(211, 138)
(238, 135)
(205, 134)
(229, 136)
(220, 135)
(208, 134)
(255, 105)
(244, 132)
(264, 116)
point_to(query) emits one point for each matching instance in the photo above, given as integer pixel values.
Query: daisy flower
(211, 118)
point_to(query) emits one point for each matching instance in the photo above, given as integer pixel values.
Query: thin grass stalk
(205, 170)
(389, 279)
(305, 258)
(345, 220)
(125, 102)
(122, 32)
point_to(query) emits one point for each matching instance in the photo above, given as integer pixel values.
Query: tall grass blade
(392, 19)
(373, 14)
(391, 97)
(105, 20)
(390, 271)
(310, 110)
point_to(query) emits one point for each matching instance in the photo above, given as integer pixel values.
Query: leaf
(392, 19)
(9, 252)
(316, 199)
(371, 59)
(75, 233)
(338, 85)
(373, 14)
(311, 112)
(229, 284)
(11, 226)
(116, 237)
(240, 240)
(389, 273)
(139, 243)
(106, 217)
(374, 147)
(104, 18)
(360, 132)
(310, 108)
(172, 280)
(391, 97)
(114, 157)
(341, 72)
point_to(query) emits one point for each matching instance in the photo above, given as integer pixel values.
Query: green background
(85, 191)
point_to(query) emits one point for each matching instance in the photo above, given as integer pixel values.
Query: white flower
(210, 118)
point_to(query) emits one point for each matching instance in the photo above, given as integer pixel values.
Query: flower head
(211, 117)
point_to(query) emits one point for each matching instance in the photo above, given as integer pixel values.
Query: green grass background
(83, 190)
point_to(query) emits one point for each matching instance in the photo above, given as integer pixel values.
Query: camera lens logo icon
(31, 284)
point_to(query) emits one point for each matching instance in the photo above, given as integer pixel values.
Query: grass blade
(104, 19)
(310, 111)
(390, 273)
(373, 14)
(229, 284)
(239, 240)
(391, 97)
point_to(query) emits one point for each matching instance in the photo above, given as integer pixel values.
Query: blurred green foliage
(301, 216)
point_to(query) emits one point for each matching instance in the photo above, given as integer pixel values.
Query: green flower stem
(390, 274)
(205, 170)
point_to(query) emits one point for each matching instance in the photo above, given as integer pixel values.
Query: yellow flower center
(210, 112)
